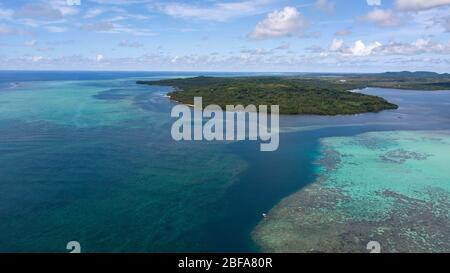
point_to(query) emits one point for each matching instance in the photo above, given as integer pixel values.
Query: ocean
(88, 157)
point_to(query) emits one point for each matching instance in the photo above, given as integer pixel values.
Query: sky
(221, 35)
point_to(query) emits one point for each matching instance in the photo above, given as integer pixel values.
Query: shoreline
(291, 115)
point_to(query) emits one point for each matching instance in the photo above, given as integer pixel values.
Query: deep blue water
(88, 156)
(10, 76)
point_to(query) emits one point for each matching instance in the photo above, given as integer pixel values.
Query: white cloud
(55, 29)
(62, 6)
(94, 13)
(325, 6)
(99, 26)
(46, 10)
(36, 58)
(283, 46)
(121, 2)
(255, 52)
(446, 24)
(6, 14)
(117, 13)
(343, 32)
(99, 57)
(280, 23)
(338, 48)
(219, 11)
(255, 60)
(336, 44)
(46, 49)
(7, 30)
(30, 43)
(383, 18)
(374, 2)
(38, 11)
(420, 46)
(416, 5)
(360, 49)
(109, 27)
(126, 43)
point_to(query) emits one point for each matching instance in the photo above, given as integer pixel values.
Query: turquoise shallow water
(391, 187)
(408, 163)
(89, 157)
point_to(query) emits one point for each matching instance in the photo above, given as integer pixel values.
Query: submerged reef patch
(390, 187)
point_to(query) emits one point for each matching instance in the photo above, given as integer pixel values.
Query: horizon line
(205, 71)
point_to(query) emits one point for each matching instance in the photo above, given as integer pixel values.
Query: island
(317, 94)
(293, 95)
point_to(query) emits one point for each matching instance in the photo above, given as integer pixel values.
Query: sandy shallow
(391, 187)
